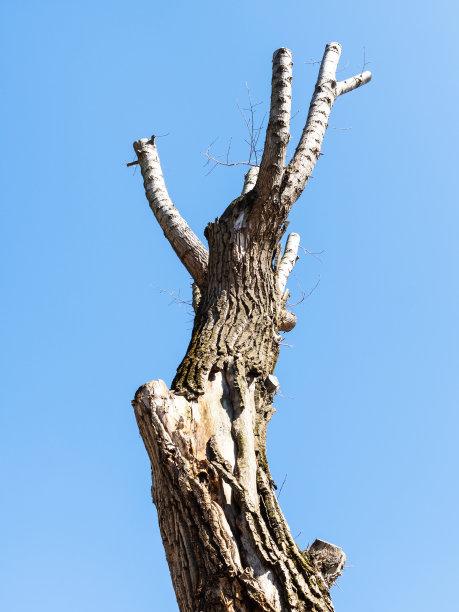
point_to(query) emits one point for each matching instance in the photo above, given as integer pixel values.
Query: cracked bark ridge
(226, 540)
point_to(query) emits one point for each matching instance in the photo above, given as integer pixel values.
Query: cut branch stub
(190, 250)
(329, 560)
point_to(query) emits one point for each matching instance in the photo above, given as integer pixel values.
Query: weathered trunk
(227, 543)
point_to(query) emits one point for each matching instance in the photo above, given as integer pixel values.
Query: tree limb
(353, 83)
(307, 152)
(190, 250)
(288, 260)
(278, 130)
(250, 179)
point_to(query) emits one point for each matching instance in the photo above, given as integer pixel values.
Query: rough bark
(227, 543)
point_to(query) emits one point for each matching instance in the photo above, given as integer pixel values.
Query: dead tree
(227, 543)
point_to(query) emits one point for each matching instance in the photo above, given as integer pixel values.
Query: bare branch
(365, 63)
(307, 152)
(190, 250)
(353, 83)
(299, 170)
(304, 295)
(218, 162)
(282, 486)
(254, 135)
(250, 179)
(278, 130)
(288, 260)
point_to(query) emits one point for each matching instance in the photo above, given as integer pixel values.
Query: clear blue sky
(368, 430)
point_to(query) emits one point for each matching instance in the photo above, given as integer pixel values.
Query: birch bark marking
(250, 179)
(227, 543)
(299, 170)
(278, 130)
(189, 249)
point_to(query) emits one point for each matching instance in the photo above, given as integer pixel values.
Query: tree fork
(226, 540)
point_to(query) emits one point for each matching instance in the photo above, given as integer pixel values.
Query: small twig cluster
(175, 297)
(248, 116)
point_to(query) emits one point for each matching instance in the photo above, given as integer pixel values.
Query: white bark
(288, 260)
(250, 179)
(307, 152)
(190, 250)
(278, 130)
(353, 83)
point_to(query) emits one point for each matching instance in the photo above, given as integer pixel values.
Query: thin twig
(252, 141)
(313, 254)
(304, 295)
(228, 151)
(175, 298)
(282, 486)
(365, 63)
(284, 396)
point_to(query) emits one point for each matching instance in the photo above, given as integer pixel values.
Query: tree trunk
(227, 543)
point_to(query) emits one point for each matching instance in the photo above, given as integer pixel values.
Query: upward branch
(307, 152)
(278, 130)
(190, 250)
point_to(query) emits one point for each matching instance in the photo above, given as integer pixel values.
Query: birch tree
(227, 542)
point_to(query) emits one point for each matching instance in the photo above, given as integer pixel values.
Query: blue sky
(366, 428)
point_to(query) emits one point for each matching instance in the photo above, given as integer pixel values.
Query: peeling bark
(226, 540)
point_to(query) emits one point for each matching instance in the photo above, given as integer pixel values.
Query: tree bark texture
(227, 543)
